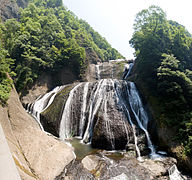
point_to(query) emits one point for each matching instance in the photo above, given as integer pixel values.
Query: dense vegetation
(164, 71)
(5, 63)
(46, 38)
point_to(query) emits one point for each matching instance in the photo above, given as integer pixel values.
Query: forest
(46, 38)
(163, 71)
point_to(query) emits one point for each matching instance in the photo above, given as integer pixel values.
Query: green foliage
(5, 63)
(48, 37)
(163, 64)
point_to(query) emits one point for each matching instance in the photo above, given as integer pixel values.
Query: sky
(114, 19)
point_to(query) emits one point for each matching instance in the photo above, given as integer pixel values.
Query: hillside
(48, 38)
(162, 71)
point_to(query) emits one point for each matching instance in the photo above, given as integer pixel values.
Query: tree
(5, 63)
(163, 70)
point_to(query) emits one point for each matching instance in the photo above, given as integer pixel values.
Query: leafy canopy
(164, 66)
(48, 37)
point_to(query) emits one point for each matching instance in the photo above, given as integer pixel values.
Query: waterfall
(118, 93)
(101, 94)
(97, 70)
(107, 110)
(83, 109)
(42, 103)
(96, 99)
(174, 174)
(139, 113)
(65, 125)
(128, 68)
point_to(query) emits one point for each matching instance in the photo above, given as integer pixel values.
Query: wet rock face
(118, 137)
(36, 154)
(10, 9)
(101, 166)
(95, 111)
(113, 69)
(51, 117)
(107, 113)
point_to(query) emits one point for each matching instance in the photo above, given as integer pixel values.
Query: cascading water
(97, 70)
(140, 114)
(108, 110)
(65, 128)
(108, 114)
(83, 109)
(42, 103)
(118, 92)
(128, 68)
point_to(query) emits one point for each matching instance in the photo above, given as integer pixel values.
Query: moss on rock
(51, 117)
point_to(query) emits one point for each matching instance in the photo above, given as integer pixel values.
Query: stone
(90, 162)
(120, 177)
(8, 169)
(37, 155)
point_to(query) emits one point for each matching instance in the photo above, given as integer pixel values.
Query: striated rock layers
(99, 112)
(36, 154)
(10, 8)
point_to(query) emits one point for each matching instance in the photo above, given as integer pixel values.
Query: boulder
(90, 162)
(37, 155)
(108, 165)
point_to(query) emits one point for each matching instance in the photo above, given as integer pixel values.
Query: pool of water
(81, 150)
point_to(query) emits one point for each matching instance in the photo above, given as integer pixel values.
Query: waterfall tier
(107, 113)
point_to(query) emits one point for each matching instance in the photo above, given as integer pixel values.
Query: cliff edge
(37, 155)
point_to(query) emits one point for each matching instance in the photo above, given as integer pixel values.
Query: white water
(94, 97)
(141, 117)
(138, 111)
(107, 119)
(65, 130)
(83, 109)
(42, 103)
(174, 174)
(129, 68)
(118, 93)
(98, 72)
(99, 98)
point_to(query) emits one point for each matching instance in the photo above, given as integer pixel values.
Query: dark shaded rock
(102, 167)
(51, 117)
(174, 148)
(119, 135)
(99, 112)
(10, 8)
(46, 82)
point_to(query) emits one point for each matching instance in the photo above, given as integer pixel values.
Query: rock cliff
(10, 8)
(37, 155)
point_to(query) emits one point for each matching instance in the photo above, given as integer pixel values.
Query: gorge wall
(10, 9)
(37, 155)
(108, 113)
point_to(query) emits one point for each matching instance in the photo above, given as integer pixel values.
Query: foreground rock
(102, 166)
(36, 154)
